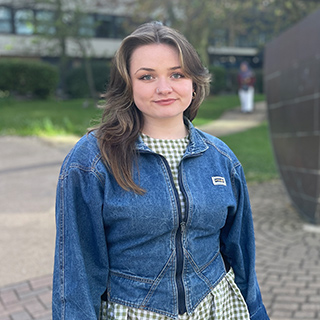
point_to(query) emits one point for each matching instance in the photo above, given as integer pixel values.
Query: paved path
(288, 255)
(235, 121)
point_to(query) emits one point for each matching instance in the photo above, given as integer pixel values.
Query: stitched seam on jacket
(61, 253)
(129, 277)
(199, 271)
(157, 280)
(91, 169)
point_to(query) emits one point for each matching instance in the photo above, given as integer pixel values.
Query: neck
(165, 129)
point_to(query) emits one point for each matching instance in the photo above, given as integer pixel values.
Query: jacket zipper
(180, 255)
(179, 249)
(179, 270)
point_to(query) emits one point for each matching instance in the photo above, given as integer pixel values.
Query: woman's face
(161, 90)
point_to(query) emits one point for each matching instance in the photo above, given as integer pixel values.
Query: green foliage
(25, 77)
(253, 149)
(76, 80)
(259, 88)
(255, 20)
(218, 80)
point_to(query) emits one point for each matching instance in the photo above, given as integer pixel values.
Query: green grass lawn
(47, 117)
(214, 106)
(52, 118)
(254, 151)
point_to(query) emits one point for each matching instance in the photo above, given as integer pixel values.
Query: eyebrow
(151, 70)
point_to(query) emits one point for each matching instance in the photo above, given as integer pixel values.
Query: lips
(165, 102)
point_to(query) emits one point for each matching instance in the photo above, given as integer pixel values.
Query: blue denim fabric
(108, 238)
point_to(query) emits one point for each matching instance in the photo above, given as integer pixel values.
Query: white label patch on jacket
(219, 181)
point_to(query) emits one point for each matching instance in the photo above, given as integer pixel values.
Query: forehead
(154, 53)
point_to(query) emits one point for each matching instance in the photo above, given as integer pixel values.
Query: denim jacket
(134, 249)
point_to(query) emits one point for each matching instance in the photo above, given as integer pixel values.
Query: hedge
(218, 81)
(28, 78)
(76, 80)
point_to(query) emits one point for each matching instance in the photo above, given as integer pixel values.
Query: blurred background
(74, 40)
(55, 58)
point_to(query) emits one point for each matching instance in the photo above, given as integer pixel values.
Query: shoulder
(225, 159)
(218, 146)
(84, 156)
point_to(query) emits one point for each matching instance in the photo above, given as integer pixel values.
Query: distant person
(153, 215)
(246, 81)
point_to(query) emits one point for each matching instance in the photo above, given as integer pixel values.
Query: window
(111, 26)
(28, 21)
(45, 22)
(23, 21)
(87, 26)
(104, 26)
(120, 24)
(5, 20)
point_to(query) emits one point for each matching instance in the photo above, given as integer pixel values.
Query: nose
(163, 87)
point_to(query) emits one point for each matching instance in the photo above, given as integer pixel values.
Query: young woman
(153, 216)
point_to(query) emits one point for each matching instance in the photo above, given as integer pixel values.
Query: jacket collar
(196, 146)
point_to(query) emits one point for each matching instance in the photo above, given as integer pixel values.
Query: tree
(284, 13)
(179, 14)
(201, 21)
(60, 23)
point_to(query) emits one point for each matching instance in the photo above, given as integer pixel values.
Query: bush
(76, 81)
(25, 77)
(259, 81)
(218, 81)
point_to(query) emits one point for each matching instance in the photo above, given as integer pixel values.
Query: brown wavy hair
(122, 121)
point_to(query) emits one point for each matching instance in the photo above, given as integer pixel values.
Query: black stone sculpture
(292, 86)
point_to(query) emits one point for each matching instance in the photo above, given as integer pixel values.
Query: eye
(146, 77)
(177, 75)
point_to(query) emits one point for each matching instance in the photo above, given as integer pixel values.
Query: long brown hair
(122, 121)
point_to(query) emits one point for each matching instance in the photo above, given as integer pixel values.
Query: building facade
(27, 28)
(26, 24)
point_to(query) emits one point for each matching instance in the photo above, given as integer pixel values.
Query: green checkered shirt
(224, 302)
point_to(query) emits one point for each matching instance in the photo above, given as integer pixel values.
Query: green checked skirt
(225, 302)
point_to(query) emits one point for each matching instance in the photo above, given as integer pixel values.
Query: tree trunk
(88, 69)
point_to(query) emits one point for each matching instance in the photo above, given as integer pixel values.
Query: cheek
(189, 91)
(189, 86)
(140, 95)
(140, 90)
(136, 91)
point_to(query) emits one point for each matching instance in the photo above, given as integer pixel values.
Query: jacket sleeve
(81, 258)
(238, 247)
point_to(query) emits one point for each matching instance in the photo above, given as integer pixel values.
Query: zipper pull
(182, 226)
